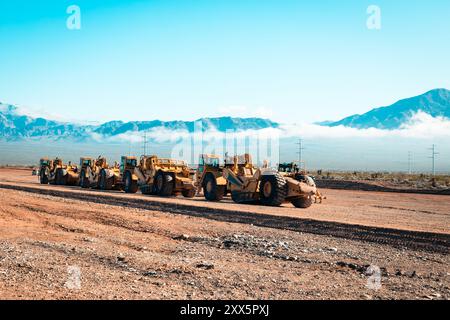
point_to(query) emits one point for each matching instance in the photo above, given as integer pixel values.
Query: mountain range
(436, 103)
(17, 125)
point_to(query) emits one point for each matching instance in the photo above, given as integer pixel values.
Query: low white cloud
(420, 126)
(158, 135)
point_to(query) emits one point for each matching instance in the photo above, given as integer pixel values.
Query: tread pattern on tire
(104, 182)
(43, 178)
(132, 186)
(279, 190)
(167, 186)
(217, 192)
(302, 202)
(84, 182)
(60, 178)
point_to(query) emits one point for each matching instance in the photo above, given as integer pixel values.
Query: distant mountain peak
(15, 125)
(435, 102)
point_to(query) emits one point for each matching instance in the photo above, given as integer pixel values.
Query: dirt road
(64, 242)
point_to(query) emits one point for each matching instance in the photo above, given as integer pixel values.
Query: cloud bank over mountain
(421, 117)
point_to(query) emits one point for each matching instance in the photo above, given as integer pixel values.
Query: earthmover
(90, 171)
(297, 171)
(209, 177)
(128, 164)
(56, 172)
(249, 184)
(158, 176)
(68, 175)
(110, 178)
(47, 170)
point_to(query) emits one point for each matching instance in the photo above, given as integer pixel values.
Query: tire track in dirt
(434, 242)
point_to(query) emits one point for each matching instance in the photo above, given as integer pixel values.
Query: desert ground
(69, 243)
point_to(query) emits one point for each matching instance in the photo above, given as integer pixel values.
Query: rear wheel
(130, 184)
(211, 190)
(102, 180)
(43, 178)
(302, 202)
(84, 182)
(272, 190)
(105, 183)
(60, 178)
(164, 184)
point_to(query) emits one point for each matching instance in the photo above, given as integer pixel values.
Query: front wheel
(84, 182)
(211, 190)
(164, 184)
(302, 202)
(130, 184)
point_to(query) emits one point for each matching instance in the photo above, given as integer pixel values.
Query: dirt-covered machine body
(47, 170)
(250, 184)
(209, 177)
(90, 169)
(295, 171)
(68, 175)
(158, 176)
(111, 178)
(56, 172)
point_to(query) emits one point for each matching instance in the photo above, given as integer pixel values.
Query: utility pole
(433, 159)
(409, 162)
(300, 151)
(145, 143)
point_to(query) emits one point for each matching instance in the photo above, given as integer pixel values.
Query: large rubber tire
(104, 183)
(84, 182)
(130, 185)
(60, 178)
(169, 184)
(164, 187)
(302, 202)
(188, 193)
(272, 190)
(211, 190)
(43, 178)
(102, 180)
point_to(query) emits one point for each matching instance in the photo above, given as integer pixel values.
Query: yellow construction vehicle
(209, 177)
(110, 178)
(157, 176)
(68, 175)
(90, 171)
(47, 170)
(297, 171)
(56, 172)
(128, 165)
(249, 184)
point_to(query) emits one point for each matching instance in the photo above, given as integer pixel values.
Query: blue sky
(292, 61)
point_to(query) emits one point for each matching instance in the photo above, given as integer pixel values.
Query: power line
(300, 150)
(409, 162)
(433, 159)
(145, 143)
